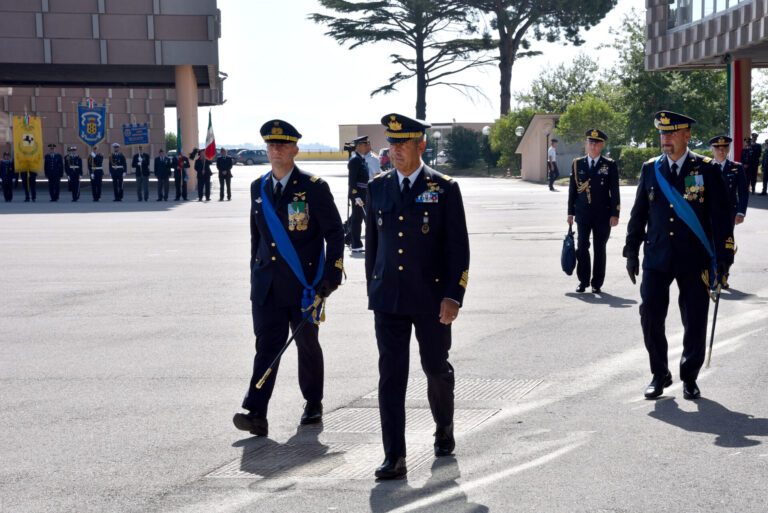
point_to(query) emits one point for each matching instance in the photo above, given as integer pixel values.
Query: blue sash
(686, 213)
(286, 249)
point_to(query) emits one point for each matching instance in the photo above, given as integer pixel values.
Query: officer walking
(357, 189)
(680, 193)
(117, 170)
(73, 165)
(416, 268)
(180, 164)
(765, 169)
(6, 176)
(224, 164)
(293, 215)
(733, 176)
(163, 174)
(593, 198)
(553, 171)
(53, 166)
(96, 172)
(140, 165)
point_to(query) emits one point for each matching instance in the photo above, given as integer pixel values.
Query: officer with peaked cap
(6, 176)
(293, 215)
(416, 269)
(734, 177)
(73, 165)
(117, 170)
(96, 172)
(593, 198)
(679, 194)
(357, 189)
(53, 166)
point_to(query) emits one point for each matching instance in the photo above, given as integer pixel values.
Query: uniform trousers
(554, 174)
(96, 185)
(270, 325)
(694, 306)
(356, 225)
(162, 187)
(74, 186)
(393, 335)
(142, 187)
(30, 185)
(117, 184)
(600, 232)
(751, 172)
(204, 187)
(8, 188)
(181, 185)
(54, 188)
(225, 181)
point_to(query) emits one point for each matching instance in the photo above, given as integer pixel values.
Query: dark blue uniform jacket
(417, 247)
(53, 166)
(736, 183)
(670, 246)
(600, 199)
(162, 167)
(73, 165)
(268, 268)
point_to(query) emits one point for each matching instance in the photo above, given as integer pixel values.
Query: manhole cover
(331, 461)
(473, 389)
(417, 420)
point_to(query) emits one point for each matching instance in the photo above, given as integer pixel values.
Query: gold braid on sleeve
(581, 187)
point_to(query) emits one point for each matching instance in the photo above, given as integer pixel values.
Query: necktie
(278, 192)
(592, 165)
(674, 168)
(406, 187)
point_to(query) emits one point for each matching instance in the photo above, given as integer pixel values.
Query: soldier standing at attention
(358, 185)
(680, 206)
(96, 171)
(765, 169)
(140, 165)
(416, 269)
(6, 176)
(73, 165)
(224, 164)
(180, 176)
(593, 198)
(733, 176)
(203, 169)
(292, 216)
(755, 151)
(117, 171)
(163, 174)
(53, 166)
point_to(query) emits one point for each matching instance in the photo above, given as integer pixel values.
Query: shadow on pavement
(442, 486)
(602, 299)
(732, 428)
(731, 294)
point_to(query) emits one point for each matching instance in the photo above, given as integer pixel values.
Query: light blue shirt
(412, 177)
(283, 180)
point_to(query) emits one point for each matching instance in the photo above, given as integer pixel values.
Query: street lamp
(437, 135)
(486, 133)
(519, 131)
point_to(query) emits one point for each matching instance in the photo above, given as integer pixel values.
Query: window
(685, 12)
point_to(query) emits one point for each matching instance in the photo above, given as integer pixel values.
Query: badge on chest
(298, 213)
(694, 188)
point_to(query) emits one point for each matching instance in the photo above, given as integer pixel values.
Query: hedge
(631, 160)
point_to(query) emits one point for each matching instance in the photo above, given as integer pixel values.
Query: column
(739, 103)
(186, 110)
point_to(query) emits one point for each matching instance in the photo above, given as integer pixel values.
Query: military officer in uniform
(764, 166)
(180, 176)
(679, 193)
(6, 176)
(224, 164)
(416, 269)
(96, 172)
(593, 198)
(73, 165)
(203, 169)
(53, 166)
(293, 215)
(755, 152)
(356, 191)
(734, 177)
(140, 165)
(163, 174)
(117, 170)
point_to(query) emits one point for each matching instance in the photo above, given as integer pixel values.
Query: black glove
(633, 268)
(325, 287)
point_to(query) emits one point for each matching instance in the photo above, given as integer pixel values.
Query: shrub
(463, 147)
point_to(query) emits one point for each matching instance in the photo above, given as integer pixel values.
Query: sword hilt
(263, 378)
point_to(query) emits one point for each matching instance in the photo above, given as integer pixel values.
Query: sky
(281, 65)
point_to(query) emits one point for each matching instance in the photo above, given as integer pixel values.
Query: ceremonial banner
(210, 140)
(91, 122)
(27, 143)
(135, 134)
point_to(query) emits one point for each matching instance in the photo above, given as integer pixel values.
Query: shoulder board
(607, 158)
(651, 160)
(314, 178)
(707, 159)
(447, 178)
(379, 175)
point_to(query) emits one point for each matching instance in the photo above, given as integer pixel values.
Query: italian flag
(210, 141)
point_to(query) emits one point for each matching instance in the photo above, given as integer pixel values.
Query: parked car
(384, 162)
(442, 158)
(250, 157)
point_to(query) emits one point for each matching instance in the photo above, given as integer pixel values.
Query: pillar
(739, 103)
(186, 111)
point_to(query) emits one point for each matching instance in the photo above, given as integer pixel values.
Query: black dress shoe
(581, 288)
(392, 468)
(444, 441)
(595, 290)
(691, 390)
(252, 422)
(657, 385)
(313, 413)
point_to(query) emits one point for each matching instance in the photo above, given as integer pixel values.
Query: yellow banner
(27, 143)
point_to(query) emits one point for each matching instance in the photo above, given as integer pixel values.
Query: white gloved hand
(359, 202)
(93, 176)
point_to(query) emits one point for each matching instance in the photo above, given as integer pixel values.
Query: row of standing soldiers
(750, 159)
(56, 167)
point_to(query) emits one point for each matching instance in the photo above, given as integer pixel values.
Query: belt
(97, 168)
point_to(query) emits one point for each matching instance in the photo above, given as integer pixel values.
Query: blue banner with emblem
(135, 134)
(91, 122)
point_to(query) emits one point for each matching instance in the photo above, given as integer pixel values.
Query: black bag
(347, 233)
(568, 256)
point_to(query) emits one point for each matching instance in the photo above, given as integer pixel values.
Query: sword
(714, 293)
(714, 323)
(315, 305)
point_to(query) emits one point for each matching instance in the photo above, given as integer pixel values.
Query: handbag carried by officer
(568, 255)
(347, 229)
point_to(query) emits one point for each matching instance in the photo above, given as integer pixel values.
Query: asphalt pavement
(126, 346)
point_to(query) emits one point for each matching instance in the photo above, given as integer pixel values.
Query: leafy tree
(170, 141)
(504, 140)
(515, 20)
(590, 112)
(557, 88)
(463, 146)
(759, 100)
(416, 24)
